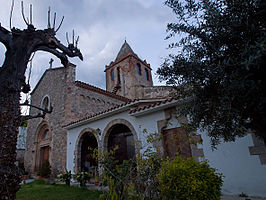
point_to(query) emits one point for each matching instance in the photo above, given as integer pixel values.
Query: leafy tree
(221, 65)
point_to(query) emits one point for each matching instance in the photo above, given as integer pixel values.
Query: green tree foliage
(221, 60)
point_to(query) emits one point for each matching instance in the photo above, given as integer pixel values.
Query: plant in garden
(133, 179)
(45, 170)
(116, 176)
(152, 176)
(146, 182)
(82, 178)
(186, 179)
(66, 177)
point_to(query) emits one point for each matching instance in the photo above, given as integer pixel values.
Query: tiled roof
(101, 91)
(102, 112)
(152, 105)
(124, 51)
(137, 105)
(123, 54)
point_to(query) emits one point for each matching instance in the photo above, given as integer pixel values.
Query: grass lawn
(41, 190)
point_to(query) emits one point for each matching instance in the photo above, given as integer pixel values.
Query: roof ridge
(103, 111)
(141, 108)
(99, 90)
(124, 50)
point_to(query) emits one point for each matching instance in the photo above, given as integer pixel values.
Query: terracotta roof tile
(101, 91)
(134, 110)
(102, 112)
(152, 105)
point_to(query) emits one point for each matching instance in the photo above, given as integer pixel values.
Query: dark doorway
(121, 136)
(89, 144)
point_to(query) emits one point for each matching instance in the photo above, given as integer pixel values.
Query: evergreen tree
(221, 65)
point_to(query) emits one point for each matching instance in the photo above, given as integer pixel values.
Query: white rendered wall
(143, 126)
(243, 172)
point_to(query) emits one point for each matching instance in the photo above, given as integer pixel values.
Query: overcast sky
(102, 26)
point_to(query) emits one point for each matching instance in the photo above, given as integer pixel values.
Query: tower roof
(125, 50)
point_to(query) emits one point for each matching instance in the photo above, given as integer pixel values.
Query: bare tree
(20, 45)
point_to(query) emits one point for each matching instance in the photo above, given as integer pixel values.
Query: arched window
(139, 68)
(45, 103)
(45, 134)
(112, 75)
(118, 75)
(147, 74)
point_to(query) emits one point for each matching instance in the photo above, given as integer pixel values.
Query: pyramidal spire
(124, 50)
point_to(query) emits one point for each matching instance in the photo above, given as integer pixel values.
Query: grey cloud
(102, 26)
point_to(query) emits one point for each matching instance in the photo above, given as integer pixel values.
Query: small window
(118, 75)
(112, 75)
(147, 74)
(139, 69)
(45, 134)
(46, 103)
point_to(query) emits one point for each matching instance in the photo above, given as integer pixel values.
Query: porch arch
(108, 130)
(83, 137)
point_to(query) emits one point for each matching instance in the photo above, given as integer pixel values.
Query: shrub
(45, 170)
(82, 178)
(66, 177)
(186, 179)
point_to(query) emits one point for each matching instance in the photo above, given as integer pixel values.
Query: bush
(186, 179)
(82, 178)
(66, 177)
(45, 170)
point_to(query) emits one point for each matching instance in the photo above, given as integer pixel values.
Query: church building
(131, 108)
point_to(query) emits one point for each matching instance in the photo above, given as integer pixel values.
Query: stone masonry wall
(52, 84)
(130, 79)
(70, 103)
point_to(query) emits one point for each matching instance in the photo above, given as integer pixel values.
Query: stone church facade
(125, 114)
(72, 100)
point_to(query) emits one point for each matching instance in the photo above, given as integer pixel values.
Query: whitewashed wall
(143, 126)
(243, 172)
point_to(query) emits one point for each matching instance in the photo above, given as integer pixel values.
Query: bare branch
(5, 36)
(77, 41)
(22, 12)
(67, 38)
(27, 117)
(73, 37)
(26, 103)
(60, 24)
(58, 54)
(11, 12)
(49, 15)
(30, 13)
(54, 20)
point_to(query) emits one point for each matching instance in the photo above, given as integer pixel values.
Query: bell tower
(128, 74)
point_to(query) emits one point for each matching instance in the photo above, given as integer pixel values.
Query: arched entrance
(121, 136)
(87, 144)
(42, 146)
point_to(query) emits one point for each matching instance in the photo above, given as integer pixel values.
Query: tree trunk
(9, 122)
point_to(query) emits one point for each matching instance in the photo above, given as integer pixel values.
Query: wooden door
(44, 154)
(176, 142)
